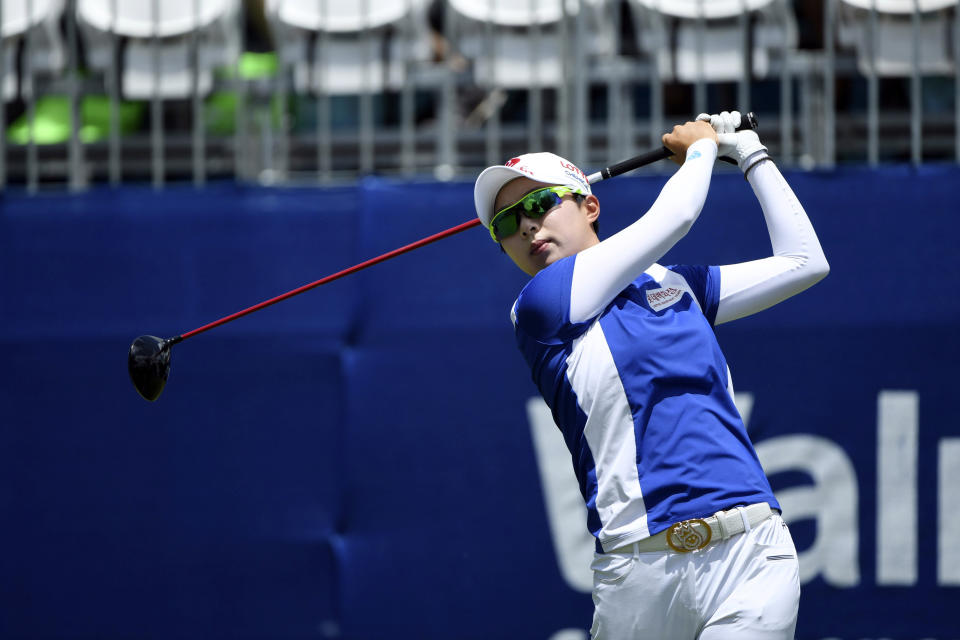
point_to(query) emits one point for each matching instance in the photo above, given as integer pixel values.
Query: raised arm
(797, 262)
(605, 269)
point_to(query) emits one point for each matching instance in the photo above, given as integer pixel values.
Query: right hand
(684, 135)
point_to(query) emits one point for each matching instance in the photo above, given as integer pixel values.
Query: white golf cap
(544, 167)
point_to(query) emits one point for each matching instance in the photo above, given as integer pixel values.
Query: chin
(534, 267)
(540, 265)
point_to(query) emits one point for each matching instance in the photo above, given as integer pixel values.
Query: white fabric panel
(609, 433)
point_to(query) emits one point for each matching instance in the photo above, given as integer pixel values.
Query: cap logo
(574, 177)
(572, 167)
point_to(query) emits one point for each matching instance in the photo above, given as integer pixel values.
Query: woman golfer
(690, 543)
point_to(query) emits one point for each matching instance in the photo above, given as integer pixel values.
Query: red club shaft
(307, 287)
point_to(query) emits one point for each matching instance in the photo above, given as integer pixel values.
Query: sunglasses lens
(506, 225)
(537, 204)
(534, 205)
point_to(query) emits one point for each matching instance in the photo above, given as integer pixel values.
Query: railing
(594, 80)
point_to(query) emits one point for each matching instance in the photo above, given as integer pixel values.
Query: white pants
(746, 588)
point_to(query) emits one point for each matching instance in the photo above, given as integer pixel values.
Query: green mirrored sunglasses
(534, 205)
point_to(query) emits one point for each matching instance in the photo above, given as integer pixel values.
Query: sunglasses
(534, 205)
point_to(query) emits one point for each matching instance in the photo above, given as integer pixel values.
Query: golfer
(689, 538)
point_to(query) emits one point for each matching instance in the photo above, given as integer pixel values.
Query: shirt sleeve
(797, 262)
(542, 310)
(605, 269)
(704, 283)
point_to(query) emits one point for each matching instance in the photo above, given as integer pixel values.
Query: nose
(528, 225)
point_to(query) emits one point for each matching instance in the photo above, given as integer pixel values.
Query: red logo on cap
(511, 162)
(567, 165)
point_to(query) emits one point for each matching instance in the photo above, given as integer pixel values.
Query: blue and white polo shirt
(642, 396)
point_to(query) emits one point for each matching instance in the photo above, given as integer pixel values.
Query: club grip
(635, 162)
(749, 119)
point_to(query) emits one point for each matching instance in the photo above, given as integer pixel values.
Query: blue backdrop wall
(365, 461)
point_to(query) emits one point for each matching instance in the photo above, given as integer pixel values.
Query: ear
(591, 205)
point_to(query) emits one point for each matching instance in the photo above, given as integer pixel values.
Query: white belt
(691, 535)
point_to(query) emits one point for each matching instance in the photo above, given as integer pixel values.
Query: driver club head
(149, 365)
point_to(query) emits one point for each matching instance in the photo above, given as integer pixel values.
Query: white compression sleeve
(605, 269)
(797, 262)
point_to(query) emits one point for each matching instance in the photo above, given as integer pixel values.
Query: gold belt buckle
(689, 535)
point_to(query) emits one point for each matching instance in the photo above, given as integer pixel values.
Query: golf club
(149, 359)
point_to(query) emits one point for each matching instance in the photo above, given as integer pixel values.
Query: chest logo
(662, 298)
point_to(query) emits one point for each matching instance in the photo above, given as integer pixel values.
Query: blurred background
(370, 460)
(291, 91)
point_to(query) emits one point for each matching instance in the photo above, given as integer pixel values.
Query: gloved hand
(733, 144)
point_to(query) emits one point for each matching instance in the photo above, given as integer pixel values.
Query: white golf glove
(742, 146)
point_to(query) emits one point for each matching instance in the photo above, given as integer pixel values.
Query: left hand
(684, 135)
(737, 145)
